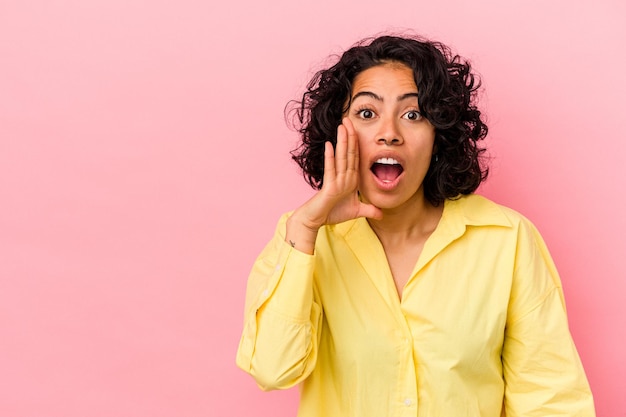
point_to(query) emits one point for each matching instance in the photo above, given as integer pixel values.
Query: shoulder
(487, 218)
(477, 210)
(521, 232)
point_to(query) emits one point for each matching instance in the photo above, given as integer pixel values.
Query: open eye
(365, 113)
(413, 115)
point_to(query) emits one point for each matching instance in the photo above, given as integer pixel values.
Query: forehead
(394, 77)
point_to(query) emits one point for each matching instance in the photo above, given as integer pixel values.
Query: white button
(408, 402)
(265, 292)
(277, 268)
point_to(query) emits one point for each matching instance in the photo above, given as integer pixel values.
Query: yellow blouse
(481, 329)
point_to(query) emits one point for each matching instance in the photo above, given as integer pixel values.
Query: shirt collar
(458, 214)
(466, 210)
(475, 210)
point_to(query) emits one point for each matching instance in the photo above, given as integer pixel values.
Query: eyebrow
(379, 98)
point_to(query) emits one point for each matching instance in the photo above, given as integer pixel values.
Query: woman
(395, 291)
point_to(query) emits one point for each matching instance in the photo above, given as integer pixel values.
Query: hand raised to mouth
(338, 200)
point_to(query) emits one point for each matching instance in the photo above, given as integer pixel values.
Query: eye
(413, 115)
(365, 113)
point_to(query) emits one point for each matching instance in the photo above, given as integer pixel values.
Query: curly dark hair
(447, 95)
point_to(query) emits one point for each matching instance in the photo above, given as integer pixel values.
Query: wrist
(300, 235)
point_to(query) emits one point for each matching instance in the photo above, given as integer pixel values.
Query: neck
(416, 219)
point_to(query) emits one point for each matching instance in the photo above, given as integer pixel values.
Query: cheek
(426, 139)
(361, 133)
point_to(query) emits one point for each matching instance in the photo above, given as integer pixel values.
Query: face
(395, 141)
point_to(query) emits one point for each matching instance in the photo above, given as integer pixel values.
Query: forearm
(542, 370)
(285, 350)
(279, 342)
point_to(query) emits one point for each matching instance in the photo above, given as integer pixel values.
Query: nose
(389, 133)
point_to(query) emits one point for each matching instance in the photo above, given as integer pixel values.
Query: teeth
(387, 161)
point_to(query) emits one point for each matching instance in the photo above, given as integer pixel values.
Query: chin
(388, 202)
(391, 201)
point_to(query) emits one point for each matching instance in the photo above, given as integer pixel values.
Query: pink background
(144, 162)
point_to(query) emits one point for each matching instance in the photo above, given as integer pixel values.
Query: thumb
(370, 211)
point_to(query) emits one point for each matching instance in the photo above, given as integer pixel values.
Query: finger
(329, 163)
(341, 150)
(353, 146)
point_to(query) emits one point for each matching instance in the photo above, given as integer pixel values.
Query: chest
(452, 311)
(402, 261)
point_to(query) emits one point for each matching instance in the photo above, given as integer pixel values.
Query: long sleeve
(542, 371)
(282, 316)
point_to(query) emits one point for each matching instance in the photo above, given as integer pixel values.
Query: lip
(386, 185)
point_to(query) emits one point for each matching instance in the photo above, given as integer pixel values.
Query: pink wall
(144, 161)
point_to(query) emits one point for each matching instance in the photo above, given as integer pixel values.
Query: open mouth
(387, 170)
